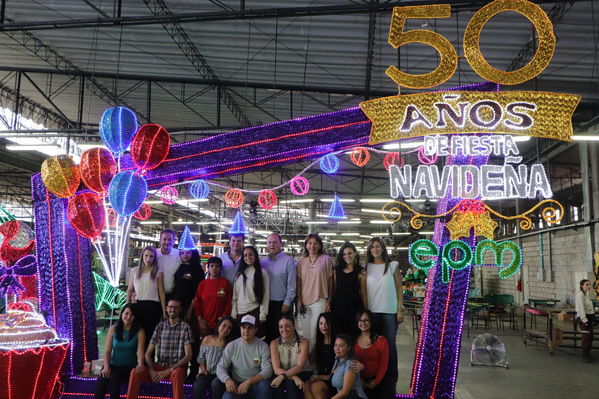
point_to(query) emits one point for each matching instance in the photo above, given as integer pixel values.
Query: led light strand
(79, 273)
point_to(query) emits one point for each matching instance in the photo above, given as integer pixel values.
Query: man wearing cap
(173, 338)
(282, 275)
(232, 258)
(245, 366)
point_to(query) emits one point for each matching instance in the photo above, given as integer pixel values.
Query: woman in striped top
(210, 354)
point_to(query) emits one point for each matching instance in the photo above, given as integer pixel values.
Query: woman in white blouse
(585, 315)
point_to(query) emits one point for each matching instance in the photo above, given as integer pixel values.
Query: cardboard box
(563, 316)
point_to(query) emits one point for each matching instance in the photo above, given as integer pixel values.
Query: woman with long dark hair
(289, 354)
(385, 301)
(146, 288)
(314, 285)
(372, 352)
(187, 278)
(318, 386)
(124, 350)
(585, 315)
(350, 287)
(211, 351)
(251, 289)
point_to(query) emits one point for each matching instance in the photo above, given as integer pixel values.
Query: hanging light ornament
(168, 195)
(117, 128)
(329, 164)
(199, 189)
(238, 227)
(360, 156)
(267, 199)
(336, 211)
(234, 198)
(127, 192)
(111, 218)
(392, 158)
(61, 175)
(426, 159)
(143, 213)
(186, 241)
(299, 185)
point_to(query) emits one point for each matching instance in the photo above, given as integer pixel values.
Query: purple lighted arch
(66, 293)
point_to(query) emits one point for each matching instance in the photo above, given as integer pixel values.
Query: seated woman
(211, 351)
(318, 387)
(289, 354)
(344, 380)
(373, 356)
(124, 350)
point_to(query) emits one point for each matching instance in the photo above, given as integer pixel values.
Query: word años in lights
(458, 255)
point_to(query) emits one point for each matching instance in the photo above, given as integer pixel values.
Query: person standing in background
(282, 274)
(168, 260)
(385, 301)
(147, 290)
(585, 315)
(314, 286)
(232, 258)
(350, 288)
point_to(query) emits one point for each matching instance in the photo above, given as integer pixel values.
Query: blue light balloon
(127, 192)
(199, 189)
(117, 128)
(329, 164)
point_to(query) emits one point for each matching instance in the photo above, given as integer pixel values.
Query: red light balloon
(393, 158)
(234, 198)
(360, 156)
(16, 241)
(150, 146)
(267, 199)
(86, 214)
(143, 213)
(97, 168)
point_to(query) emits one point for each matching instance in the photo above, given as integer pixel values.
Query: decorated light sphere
(117, 128)
(426, 159)
(360, 156)
(127, 192)
(97, 167)
(234, 198)
(61, 175)
(329, 164)
(168, 195)
(150, 146)
(299, 185)
(267, 199)
(199, 189)
(16, 240)
(143, 213)
(87, 215)
(392, 158)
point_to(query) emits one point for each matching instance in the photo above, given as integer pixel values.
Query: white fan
(488, 350)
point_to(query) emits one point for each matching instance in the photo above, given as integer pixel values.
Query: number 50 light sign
(448, 57)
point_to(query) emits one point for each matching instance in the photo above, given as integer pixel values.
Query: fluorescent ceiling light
(402, 248)
(375, 200)
(204, 223)
(87, 146)
(357, 242)
(317, 222)
(379, 211)
(215, 233)
(386, 233)
(325, 234)
(585, 138)
(380, 221)
(338, 241)
(263, 232)
(340, 199)
(404, 146)
(207, 212)
(349, 222)
(150, 222)
(350, 234)
(181, 223)
(192, 200)
(32, 147)
(195, 233)
(297, 201)
(153, 202)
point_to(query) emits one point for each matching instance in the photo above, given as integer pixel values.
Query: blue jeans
(260, 390)
(217, 387)
(387, 326)
(201, 384)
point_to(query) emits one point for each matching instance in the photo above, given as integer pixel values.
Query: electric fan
(488, 350)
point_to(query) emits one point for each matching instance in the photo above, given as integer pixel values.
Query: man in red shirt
(214, 298)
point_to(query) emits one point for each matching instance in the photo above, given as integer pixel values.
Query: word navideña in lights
(471, 181)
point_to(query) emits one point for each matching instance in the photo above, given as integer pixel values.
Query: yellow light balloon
(61, 175)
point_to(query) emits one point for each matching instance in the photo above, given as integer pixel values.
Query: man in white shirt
(282, 276)
(232, 257)
(168, 260)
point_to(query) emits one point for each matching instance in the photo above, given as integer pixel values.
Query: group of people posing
(340, 344)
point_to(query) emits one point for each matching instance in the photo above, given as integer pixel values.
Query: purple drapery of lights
(438, 348)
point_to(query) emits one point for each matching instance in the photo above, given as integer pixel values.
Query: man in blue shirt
(282, 272)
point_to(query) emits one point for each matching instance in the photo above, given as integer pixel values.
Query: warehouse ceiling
(205, 67)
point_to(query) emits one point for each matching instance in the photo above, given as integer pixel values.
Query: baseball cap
(248, 319)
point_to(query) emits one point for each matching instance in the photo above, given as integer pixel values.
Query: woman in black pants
(124, 350)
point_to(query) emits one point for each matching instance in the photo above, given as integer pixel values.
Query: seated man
(174, 339)
(245, 366)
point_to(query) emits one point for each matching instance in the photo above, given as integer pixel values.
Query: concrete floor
(533, 373)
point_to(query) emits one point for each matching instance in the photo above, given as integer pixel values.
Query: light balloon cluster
(100, 173)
